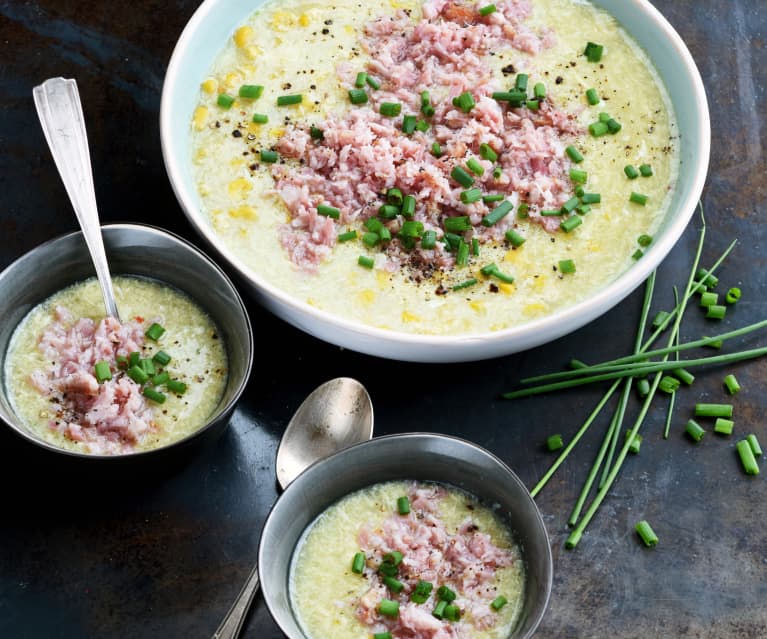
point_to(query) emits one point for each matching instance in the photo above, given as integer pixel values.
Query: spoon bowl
(336, 415)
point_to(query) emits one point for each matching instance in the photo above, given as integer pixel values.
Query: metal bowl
(131, 250)
(414, 456)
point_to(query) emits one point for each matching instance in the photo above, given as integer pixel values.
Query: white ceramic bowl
(210, 28)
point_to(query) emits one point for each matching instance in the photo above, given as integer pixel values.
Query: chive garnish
(731, 384)
(487, 10)
(358, 96)
(470, 196)
(554, 442)
(225, 100)
(462, 254)
(733, 295)
(345, 237)
(475, 167)
(716, 311)
(645, 170)
(578, 177)
(574, 154)
(566, 266)
(390, 109)
(395, 585)
(497, 214)
(288, 100)
(592, 97)
(268, 156)
(439, 609)
(329, 211)
(260, 118)
(403, 508)
(251, 91)
(598, 129)
(570, 224)
(147, 365)
(487, 152)
(638, 198)
(154, 332)
(713, 410)
(161, 378)
(429, 240)
(631, 172)
(436, 149)
(646, 533)
(465, 102)
(747, 459)
(102, 372)
(134, 358)
(316, 133)
(373, 83)
(388, 607)
(466, 284)
(358, 563)
(754, 443)
(514, 238)
(593, 52)
(361, 79)
(499, 602)
(154, 395)
(408, 124)
(367, 262)
(175, 386)
(457, 224)
(723, 426)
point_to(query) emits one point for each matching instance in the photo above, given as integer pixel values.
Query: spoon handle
(61, 116)
(232, 623)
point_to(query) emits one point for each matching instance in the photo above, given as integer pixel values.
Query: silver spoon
(61, 116)
(335, 415)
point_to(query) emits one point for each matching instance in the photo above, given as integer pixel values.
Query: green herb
(554, 442)
(225, 100)
(155, 332)
(102, 372)
(251, 91)
(747, 459)
(260, 118)
(358, 563)
(646, 533)
(289, 100)
(723, 426)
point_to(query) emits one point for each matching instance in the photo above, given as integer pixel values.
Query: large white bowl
(210, 28)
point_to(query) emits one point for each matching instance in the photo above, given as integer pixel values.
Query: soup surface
(56, 387)
(448, 547)
(434, 167)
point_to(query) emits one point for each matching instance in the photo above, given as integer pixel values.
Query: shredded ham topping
(108, 418)
(466, 561)
(364, 153)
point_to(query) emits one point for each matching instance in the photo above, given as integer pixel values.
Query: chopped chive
(102, 371)
(345, 237)
(631, 172)
(723, 426)
(514, 238)
(465, 102)
(497, 214)
(403, 505)
(499, 602)
(147, 366)
(154, 332)
(429, 240)
(520, 84)
(694, 430)
(475, 246)
(598, 129)
(570, 205)
(374, 225)
(570, 224)
(574, 154)
(422, 126)
(471, 196)
(533, 105)
(358, 96)
(645, 170)
(731, 384)
(643, 388)
(475, 167)
(638, 254)
(660, 319)
(733, 295)
(395, 585)
(252, 91)
(754, 443)
(514, 98)
(593, 52)
(155, 396)
(175, 386)
(329, 211)
(638, 198)
(591, 198)
(713, 410)
(578, 177)
(390, 109)
(716, 311)
(462, 254)
(385, 234)
(668, 384)
(457, 224)
(487, 152)
(465, 284)
(462, 177)
(270, 157)
(644, 240)
(408, 124)
(388, 211)
(566, 266)
(373, 83)
(522, 210)
(592, 97)
(551, 212)
(489, 198)
(225, 100)
(452, 612)
(367, 262)
(411, 228)
(708, 299)
(492, 270)
(388, 607)
(539, 91)
(260, 118)
(684, 376)
(316, 133)
(604, 117)
(134, 358)
(747, 459)
(636, 443)
(370, 239)
(358, 563)
(423, 587)
(583, 209)
(446, 594)
(710, 280)
(646, 533)
(394, 196)
(613, 126)
(382, 635)
(289, 100)
(439, 609)
(436, 149)
(497, 172)
(394, 557)
(161, 378)
(361, 79)
(387, 568)
(122, 362)
(487, 10)
(554, 442)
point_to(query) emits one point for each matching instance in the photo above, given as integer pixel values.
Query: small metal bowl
(414, 456)
(131, 250)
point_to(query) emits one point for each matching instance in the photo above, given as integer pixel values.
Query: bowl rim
(453, 347)
(307, 476)
(32, 254)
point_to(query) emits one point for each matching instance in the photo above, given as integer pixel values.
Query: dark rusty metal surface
(162, 553)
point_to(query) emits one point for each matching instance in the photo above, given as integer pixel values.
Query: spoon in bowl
(335, 415)
(61, 116)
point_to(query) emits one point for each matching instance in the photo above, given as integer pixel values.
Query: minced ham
(466, 561)
(362, 153)
(109, 417)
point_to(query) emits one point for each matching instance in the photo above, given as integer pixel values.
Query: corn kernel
(349, 29)
(534, 309)
(232, 80)
(203, 190)
(510, 255)
(304, 20)
(384, 279)
(540, 283)
(210, 85)
(200, 118)
(243, 36)
(367, 296)
(200, 155)
(277, 132)
(253, 51)
(408, 317)
(283, 20)
(478, 307)
(243, 212)
(506, 288)
(239, 188)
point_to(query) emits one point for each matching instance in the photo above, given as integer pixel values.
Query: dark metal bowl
(415, 456)
(131, 250)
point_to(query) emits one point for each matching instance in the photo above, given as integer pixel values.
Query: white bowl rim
(452, 347)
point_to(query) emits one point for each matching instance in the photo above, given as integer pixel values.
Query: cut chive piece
(475, 246)
(175, 386)
(570, 224)
(466, 284)
(643, 388)
(345, 237)
(613, 126)
(385, 234)
(394, 196)
(708, 299)
(403, 505)
(408, 124)
(522, 210)
(710, 280)
(370, 239)
(155, 396)
(439, 609)
(731, 384)
(390, 109)
(591, 198)
(367, 262)
(102, 371)
(713, 410)
(578, 177)
(574, 154)
(251, 91)
(499, 602)
(497, 214)
(497, 172)
(514, 238)
(660, 319)
(358, 96)
(493, 197)
(583, 209)
(539, 91)
(631, 172)
(754, 443)
(465, 102)
(436, 150)
(694, 430)
(598, 129)
(162, 378)
(389, 211)
(426, 107)
(638, 254)
(373, 83)
(646, 533)
(147, 365)
(471, 196)
(593, 52)
(462, 177)
(452, 612)
(723, 426)
(429, 240)
(395, 585)
(422, 126)
(492, 270)
(458, 224)
(747, 458)
(374, 225)
(225, 100)
(487, 10)
(382, 635)
(551, 212)
(514, 98)
(570, 205)
(716, 311)
(289, 100)
(394, 557)
(636, 443)
(520, 84)
(411, 228)
(329, 211)
(122, 362)
(260, 118)
(445, 594)
(270, 157)
(358, 563)
(475, 167)
(638, 198)
(388, 607)
(668, 384)
(533, 105)
(137, 374)
(592, 97)
(645, 170)
(733, 295)
(155, 331)
(487, 152)
(423, 587)
(316, 133)
(462, 254)
(361, 79)
(644, 240)
(134, 358)
(684, 376)
(554, 442)
(388, 569)
(566, 266)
